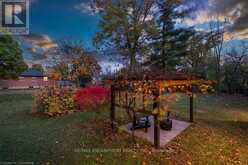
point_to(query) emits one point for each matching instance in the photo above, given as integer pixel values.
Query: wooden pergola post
(112, 108)
(191, 107)
(156, 132)
(156, 120)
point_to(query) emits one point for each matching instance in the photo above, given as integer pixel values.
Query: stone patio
(165, 136)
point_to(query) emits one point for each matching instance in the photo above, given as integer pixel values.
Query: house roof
(32, 73)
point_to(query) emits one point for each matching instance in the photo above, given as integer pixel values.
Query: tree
(11, 60)
(245, 76)
(217, 28)
(197, 60)
(235, 73)
(37, 67)
(169, 43)
(72, 62)
(125, 25)
(60, 71)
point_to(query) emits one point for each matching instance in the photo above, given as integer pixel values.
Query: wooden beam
(156, 132)
(191, 108)
(156, 105)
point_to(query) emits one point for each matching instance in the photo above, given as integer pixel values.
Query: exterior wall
(25, 83)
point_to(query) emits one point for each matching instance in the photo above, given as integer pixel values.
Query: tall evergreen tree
(169, 42)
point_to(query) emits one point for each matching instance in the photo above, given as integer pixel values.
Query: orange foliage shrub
(53, 100)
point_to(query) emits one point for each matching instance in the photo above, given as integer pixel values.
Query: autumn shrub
(54, 100)
(91, 97)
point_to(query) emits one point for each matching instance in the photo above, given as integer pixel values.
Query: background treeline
(151, 33)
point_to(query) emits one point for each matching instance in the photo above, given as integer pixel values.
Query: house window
(45, 78)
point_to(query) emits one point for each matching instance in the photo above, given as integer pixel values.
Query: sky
(233, 12)
(54, 20)
(60, 19)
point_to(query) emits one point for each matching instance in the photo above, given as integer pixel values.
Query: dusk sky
(69, 18)
(53, 20)
(61, 19)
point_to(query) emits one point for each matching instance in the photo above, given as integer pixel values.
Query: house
(28, 79)
(33, 75)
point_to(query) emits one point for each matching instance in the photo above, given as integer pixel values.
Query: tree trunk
(133, 62)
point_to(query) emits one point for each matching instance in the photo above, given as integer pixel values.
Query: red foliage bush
(91, 96)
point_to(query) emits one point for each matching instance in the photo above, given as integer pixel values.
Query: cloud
(35, 46)
(235, 11)
(40, 41)
(88, 8)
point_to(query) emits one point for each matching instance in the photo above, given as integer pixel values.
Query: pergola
(132, 93)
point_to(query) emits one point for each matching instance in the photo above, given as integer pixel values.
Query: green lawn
(219, 135)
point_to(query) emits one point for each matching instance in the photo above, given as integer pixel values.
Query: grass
(218, 136)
